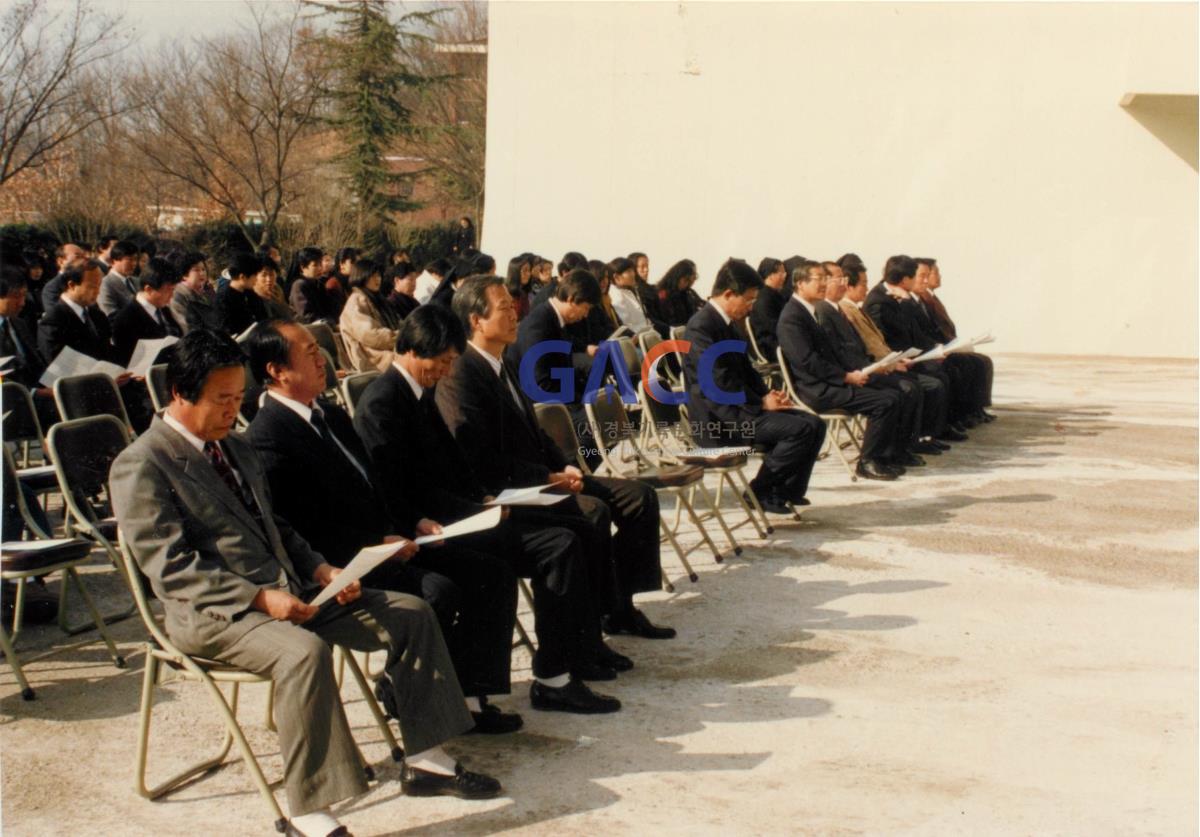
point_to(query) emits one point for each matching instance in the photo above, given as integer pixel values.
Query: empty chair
(93, 394)
(23, 430)
(38, 557)
(156, 383)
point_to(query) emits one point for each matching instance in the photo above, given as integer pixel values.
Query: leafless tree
(235, 121)
(51, 81)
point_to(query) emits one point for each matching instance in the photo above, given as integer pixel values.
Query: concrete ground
(1003, 642)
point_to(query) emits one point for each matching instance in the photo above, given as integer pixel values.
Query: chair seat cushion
(671, 477)
(39, 479)
(30, 556)
(715, 459)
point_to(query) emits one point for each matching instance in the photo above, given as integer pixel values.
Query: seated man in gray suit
(120, 287)
(234, 580)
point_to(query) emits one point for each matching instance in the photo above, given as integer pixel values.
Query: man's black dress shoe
(635, 623)
(908, 460)
(928, 448)
(491, 721)
(574, 697)
(942, 446)
(464, 784)
(952, 435)
(969, 421)
(869, 470)
(984, 415)
(605, 656)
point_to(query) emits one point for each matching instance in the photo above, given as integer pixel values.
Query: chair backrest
(323, 334)
(610, 423)
(331, 368)
(21, 425)
(788, 387)
(137, 588)
(353, 386)
(633, 361)
(156, 382)
(647, 340)
(83, 451)
(677, 332)
(93, 394)
(665, 425)
(759, 357)
(555, 420)
(14, 499)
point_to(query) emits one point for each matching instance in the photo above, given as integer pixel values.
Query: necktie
(512, 390)
(11, 334)
(318, 421)
(225, 472)
(129, 285)
(167, 323)
(91, 326)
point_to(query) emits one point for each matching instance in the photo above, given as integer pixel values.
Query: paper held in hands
(531, 496)
(366, 560)
(466, 526)
(882, 362)
(70, 362)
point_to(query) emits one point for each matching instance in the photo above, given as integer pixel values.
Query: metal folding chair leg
(714, 512)
(71, 577)
(380, 719)
(6, 646)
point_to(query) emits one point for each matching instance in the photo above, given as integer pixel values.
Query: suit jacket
(310, 301)
(812, 359)
(28, 370)
(732, 372)
(877, 348)
(503, 440)
(764, 318)
(923, 317)
(314, 486)
(941, 317)
(416, 466)
(115, 292)
(543, 294)
(851, 351)
(239, 310)
(62, 327)
(205, 554)
(52, 291)
(896, 321)
(195, 311)
(542, 324)
(132, 324)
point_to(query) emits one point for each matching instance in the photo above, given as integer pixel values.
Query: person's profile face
(642, 268)
(264, 282)
(935, 278)
(573, 312)
(159, 297)
(126, 265)
(213, 414)
(305, 373)
(197, 277)
(73, 256)
(738, 307)
(432, 369)
(88, 291)
(12, 303)
(921, 279)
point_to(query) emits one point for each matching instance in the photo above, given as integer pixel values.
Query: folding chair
(669, 365)
(83, 451)
(93, 394)
(678, 331)
(840, 425)
(23, 429)
(668, 434)
(331, 378)
(353, 386)
(763, 366)
(162, 653)
(156, 383)
(326, 339)
(40, 556)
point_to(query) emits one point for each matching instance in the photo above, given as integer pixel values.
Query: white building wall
(987, 135)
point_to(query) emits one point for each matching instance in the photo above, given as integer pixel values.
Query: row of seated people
(237, 533)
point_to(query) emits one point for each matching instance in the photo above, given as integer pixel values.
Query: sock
(315, 823)
(433, 760)
(473, 704)
(555, 682)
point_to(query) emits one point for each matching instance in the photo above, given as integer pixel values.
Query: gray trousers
(320, 761)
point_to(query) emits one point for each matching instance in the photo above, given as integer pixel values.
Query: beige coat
(369, 343)
(871, 336)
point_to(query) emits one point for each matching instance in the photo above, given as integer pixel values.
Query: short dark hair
(344, 253)
(800, 273)
(267, 344)
(472, 298)
(621, 264)
(854, 276)
(768, 266)
(925, 260)
(736, 276)
(106, 239)
(74, 275)
(123, 249)
(850, 261)
(429, 331)
(158, 273)
(184, 262)
(635, 255)
(244, 264)
(578, 286)
(201, 352)
(482, 263)
(362, 271)
(570, 261)
(398, 271)
(899, 268)
(12, 277)
(438, 267)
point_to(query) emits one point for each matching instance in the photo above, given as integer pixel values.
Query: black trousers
(791, 441)
(474, 596)
(882, 409)
(935, 403)
(554, 560)
(912, 407)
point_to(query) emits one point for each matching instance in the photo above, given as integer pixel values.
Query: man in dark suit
(18, 342)
(495, 424)
(235, 581)
(748, 412)
(75, 321)
(424, 478)
(980, 368)
(887, 305)
(823, 382)
(767, 308)
(148, 316)
(67, 256)
(317, 469)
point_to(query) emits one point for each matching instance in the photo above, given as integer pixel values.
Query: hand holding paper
(531, 496)
(466, 526)
(366, 560)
